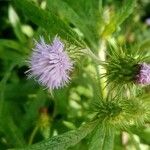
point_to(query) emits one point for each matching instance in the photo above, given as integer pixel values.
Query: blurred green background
(28, 113)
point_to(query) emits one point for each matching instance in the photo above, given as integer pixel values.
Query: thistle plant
(121, 113)
(126, 69)
(92, 67)
(143, 76)
(50, 64)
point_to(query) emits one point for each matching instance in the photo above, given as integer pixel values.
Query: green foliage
(107, 40)
(74, 13)
(122, 113)
(102, 139)
(51, 23)
(118, 19)
(62, 142)
(120, 73)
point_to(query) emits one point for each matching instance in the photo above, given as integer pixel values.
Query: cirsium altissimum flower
(143, 76)
(50, 64)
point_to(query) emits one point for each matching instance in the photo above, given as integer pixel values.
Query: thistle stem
(33, 134)
(102, 70)
(93, 56)
(99, 60)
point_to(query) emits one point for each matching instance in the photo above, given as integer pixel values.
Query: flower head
(143, 76)
(147, 21)
(50, 64)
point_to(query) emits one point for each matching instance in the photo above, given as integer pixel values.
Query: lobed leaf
(47, 20)
(64, 141)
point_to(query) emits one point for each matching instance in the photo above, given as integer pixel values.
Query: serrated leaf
(66, 12)
(119, 18)
(103, 139)
(88, 11)
(47, 20)
(64, 141)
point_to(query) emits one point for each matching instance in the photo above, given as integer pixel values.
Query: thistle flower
(125, 69)
(50, 64)
(143, 76)
(147, 21)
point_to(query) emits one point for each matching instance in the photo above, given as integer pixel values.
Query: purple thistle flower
(147, 21)
(50, 64)
(143, 76)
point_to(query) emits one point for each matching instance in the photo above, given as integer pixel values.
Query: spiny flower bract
(143, 76)
(50, 64)
(121, 112)
(125, 69)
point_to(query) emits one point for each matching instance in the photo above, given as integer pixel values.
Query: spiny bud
(122, 71)
(44, 122)
(126, 69)
(120, 112)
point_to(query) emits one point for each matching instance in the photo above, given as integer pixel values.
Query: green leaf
(47, 20)
(66, 12)
(36, 101)
(61, 100)
(145, 45)
(64, 141)
(103, 139)
(3, 86)
(13, 45)
(9, 127)
(12, 132)
(119, 17)
(12, 56)
(89, 12)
